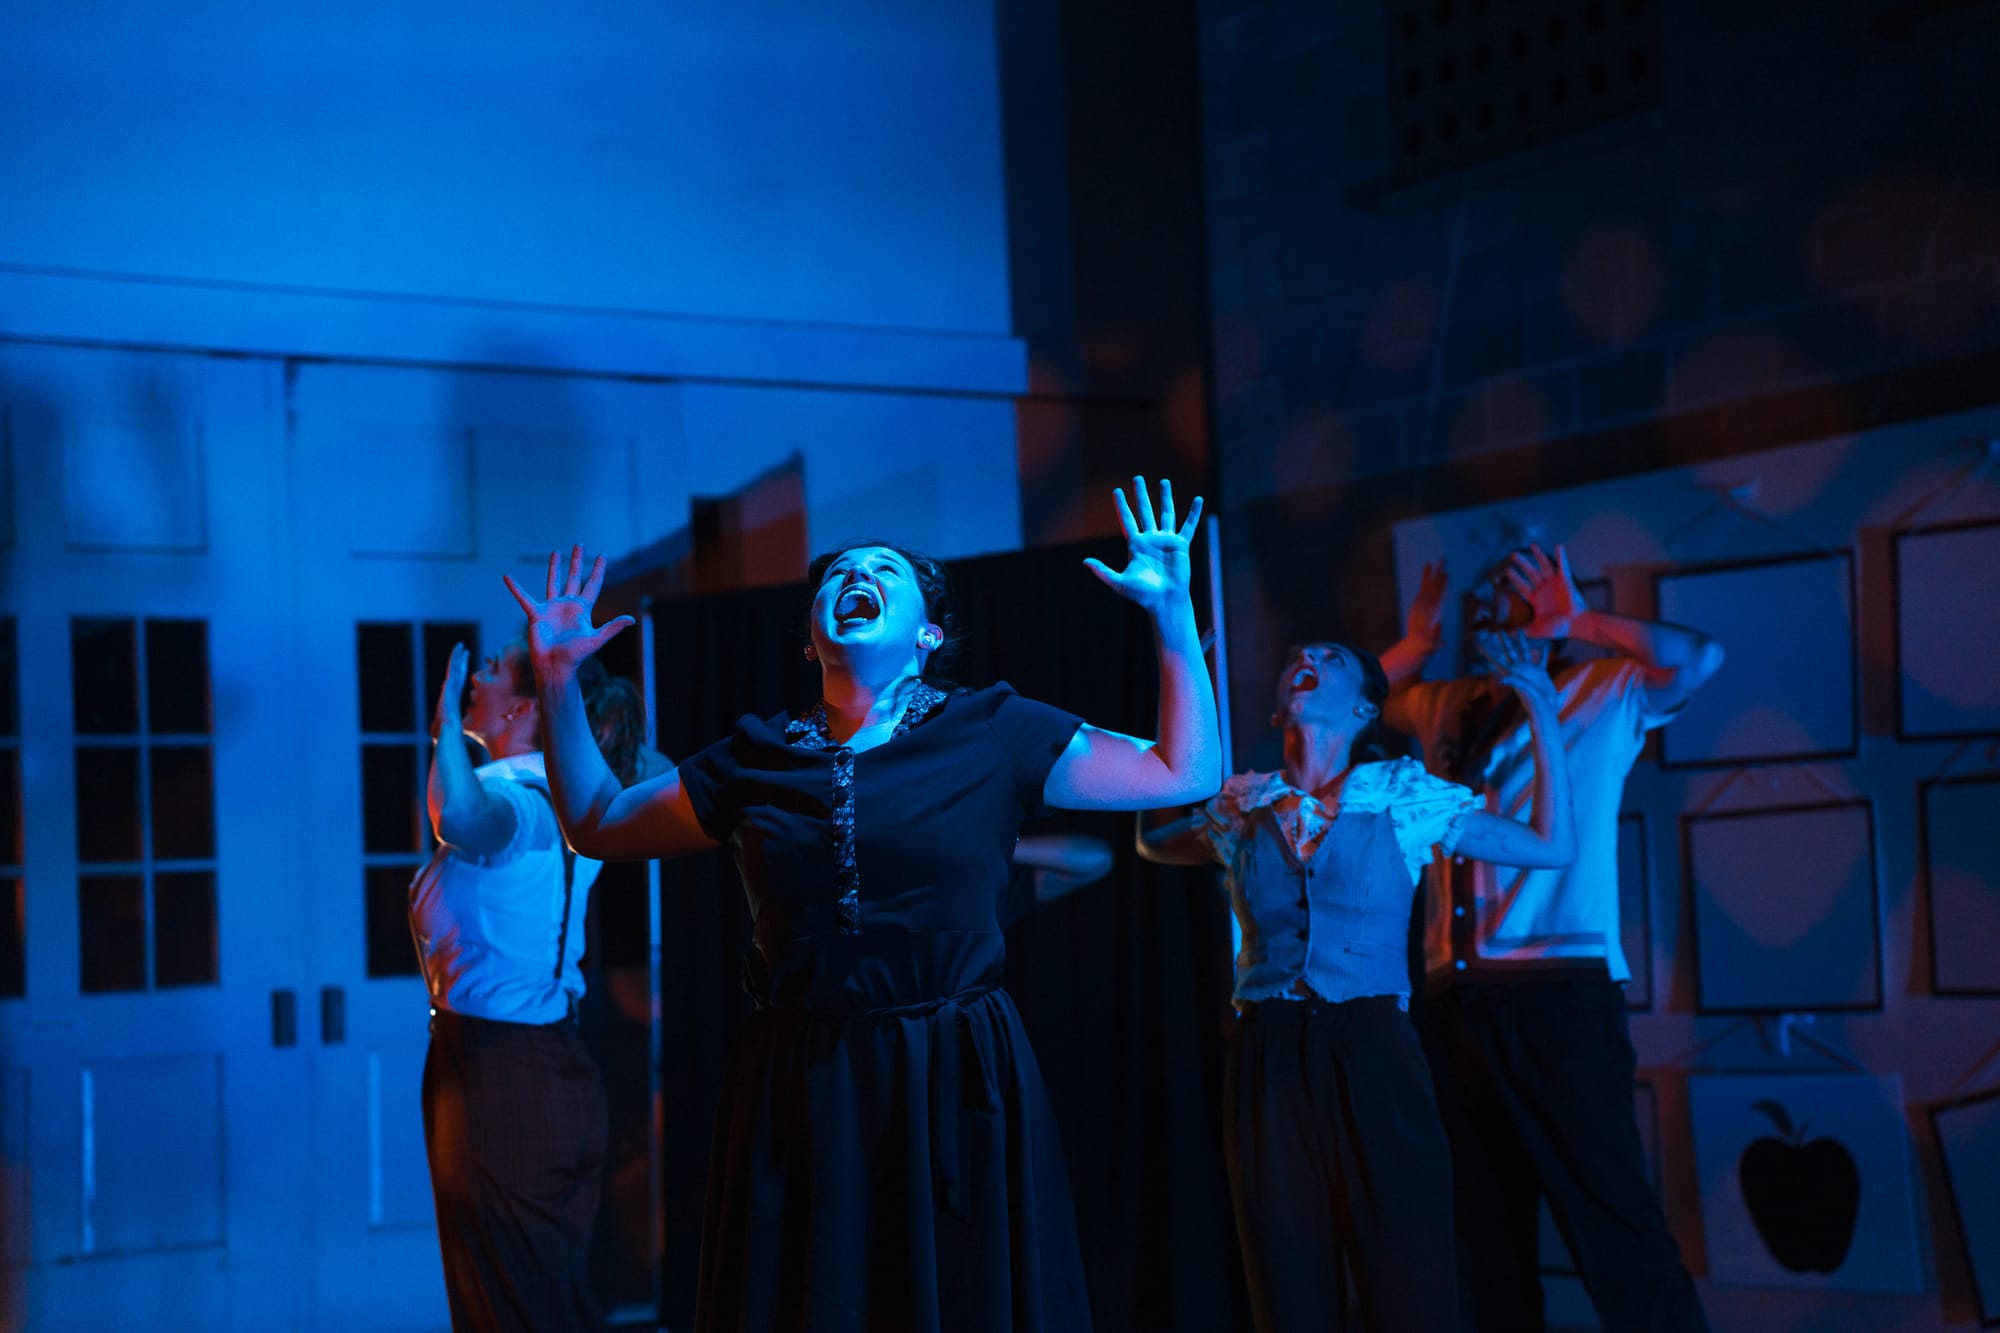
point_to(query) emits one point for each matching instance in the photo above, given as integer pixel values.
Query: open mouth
(1303, 680)
(857, 605)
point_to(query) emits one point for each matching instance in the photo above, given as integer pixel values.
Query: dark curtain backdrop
(1123, 985)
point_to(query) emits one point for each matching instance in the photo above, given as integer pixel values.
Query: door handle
(284, 1017)
(332, 1015)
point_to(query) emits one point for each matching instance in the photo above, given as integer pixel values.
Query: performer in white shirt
(1524, 1016)
(514, 1114)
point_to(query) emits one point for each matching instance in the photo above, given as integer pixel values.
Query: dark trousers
(1535, 1081)
(514, 1122)
(1335, 1149)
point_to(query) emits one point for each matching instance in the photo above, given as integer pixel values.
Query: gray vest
(1340, 920)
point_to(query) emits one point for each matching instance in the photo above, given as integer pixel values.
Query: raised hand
(449, 716)
(1520, 664)
(1548, 589)
(560, 634)
(1424, 626)
(1157, 569)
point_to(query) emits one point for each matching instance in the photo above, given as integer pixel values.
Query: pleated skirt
(889, 1169)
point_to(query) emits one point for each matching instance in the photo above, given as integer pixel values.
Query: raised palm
(1425, 622)
(1549, 590)
(560, 634)
(1157, 569)
(1520, 664)
(447, 716)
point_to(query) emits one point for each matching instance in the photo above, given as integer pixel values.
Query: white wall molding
(177, 314)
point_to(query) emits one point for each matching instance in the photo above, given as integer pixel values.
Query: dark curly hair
(611, 704)
(940, 601)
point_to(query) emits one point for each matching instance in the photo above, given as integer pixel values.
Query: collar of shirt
(1303, 818)
(809, 731)
(527, 764)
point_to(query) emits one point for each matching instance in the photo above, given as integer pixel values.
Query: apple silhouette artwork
(1804, 1197)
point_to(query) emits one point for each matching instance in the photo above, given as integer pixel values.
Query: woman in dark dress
(885, 1154)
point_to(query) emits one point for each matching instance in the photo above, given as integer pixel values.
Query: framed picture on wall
(1805, 1181)
(1635, 909)
(1968, 1135)
(1553, 1253)
(1957, 823)
(1786, 909)
(1788, 689)
(1948, 631)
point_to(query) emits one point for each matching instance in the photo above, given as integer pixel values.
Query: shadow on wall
(753, 537)
(1071, 452)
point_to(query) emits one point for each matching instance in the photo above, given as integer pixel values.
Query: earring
(811, 656)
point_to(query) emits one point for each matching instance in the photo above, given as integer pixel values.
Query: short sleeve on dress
(708, 778)
(1032, 735)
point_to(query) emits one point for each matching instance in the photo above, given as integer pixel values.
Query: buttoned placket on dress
(810, 732)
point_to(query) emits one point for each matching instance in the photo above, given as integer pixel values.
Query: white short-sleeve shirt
(1529, 916)
(500, 936)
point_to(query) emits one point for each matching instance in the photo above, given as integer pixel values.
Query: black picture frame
(1743, 649)
(1691, 873)
(1957, 1196)
(1942, 531)
(1927, 873)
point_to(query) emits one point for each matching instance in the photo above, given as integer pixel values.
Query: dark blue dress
(885, 1154)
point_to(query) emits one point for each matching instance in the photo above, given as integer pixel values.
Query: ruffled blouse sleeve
(1425, 811)
(1224, 817)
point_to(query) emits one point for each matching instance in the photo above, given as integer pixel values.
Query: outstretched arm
(1423, 631)
(1172, 837)
(1423, 628)
(1107, 770)
(1678, 660)
(1062, 862)
(600, 818)
(1551, 841)
(463, 813)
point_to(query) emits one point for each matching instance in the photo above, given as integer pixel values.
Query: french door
(155, 1081)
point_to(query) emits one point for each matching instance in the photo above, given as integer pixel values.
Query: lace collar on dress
(808, 730)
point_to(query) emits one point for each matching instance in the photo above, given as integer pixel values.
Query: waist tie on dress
(962, 1077)
(962, 1080)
